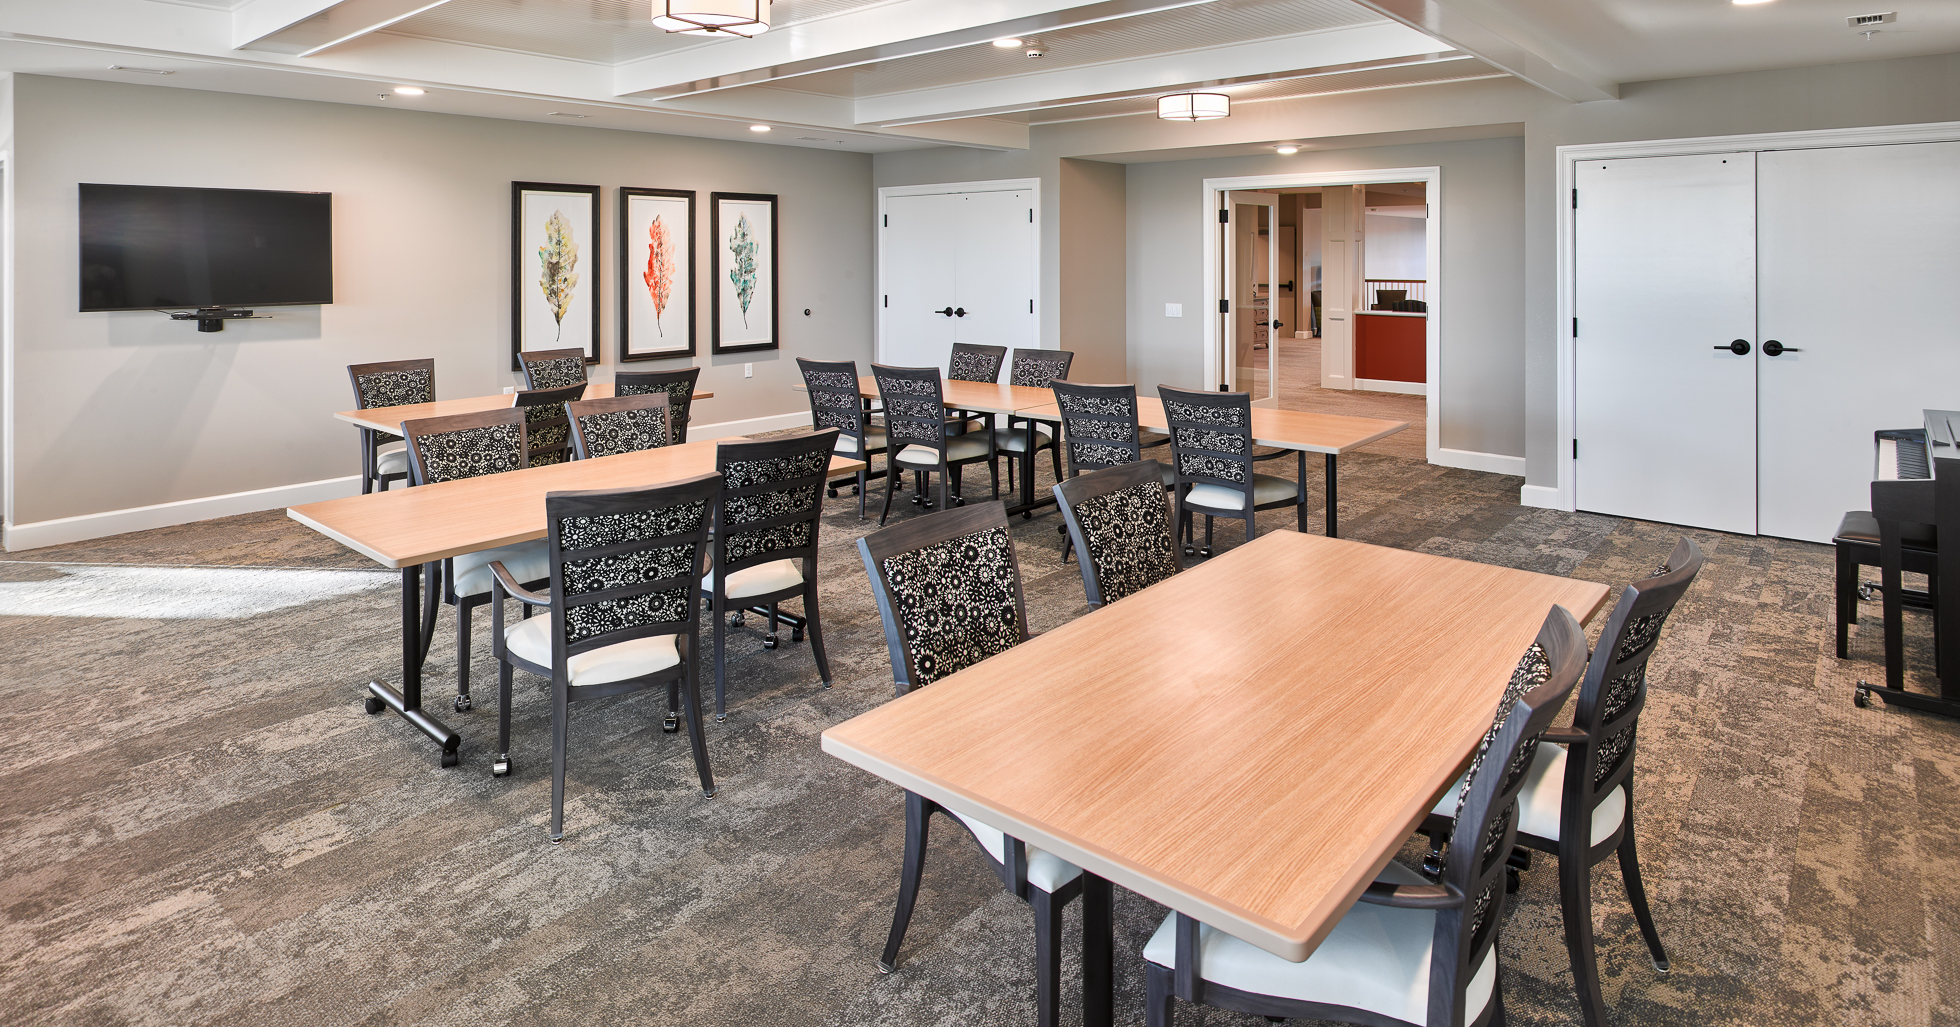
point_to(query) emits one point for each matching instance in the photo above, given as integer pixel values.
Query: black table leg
(1333, 500)
(1098, 946)
(1028, 503)
(408, 701)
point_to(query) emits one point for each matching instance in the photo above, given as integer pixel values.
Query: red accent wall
(1392, 349)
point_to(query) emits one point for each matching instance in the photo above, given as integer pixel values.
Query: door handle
(1279, 324)
(960, 312)
(1739, 347)
(948, 312)
(1777, 349)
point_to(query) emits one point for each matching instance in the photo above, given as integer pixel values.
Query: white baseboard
(1471, 460)
(82, 527)
(1542, 496)
(1384, 385)
(748, 426)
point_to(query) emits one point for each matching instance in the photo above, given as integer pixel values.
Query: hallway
(1299, 389)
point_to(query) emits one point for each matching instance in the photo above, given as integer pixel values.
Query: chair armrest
(1412, 896)
(1563, 736)
(515, 590)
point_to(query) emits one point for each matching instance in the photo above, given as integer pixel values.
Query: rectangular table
(1301, 430)
(1253, 773)
(389, 419)
(408, 528)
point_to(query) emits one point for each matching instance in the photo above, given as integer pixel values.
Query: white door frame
(1003, 185)
(1564, 494)
(1213, 358)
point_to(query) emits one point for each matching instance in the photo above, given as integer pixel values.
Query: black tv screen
(146, 247)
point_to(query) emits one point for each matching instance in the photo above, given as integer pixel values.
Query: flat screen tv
(147, 247)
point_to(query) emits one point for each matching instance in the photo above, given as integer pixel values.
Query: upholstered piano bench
(1857, 546)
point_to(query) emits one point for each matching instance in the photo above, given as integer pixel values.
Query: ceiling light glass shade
(712, 17)
(1194, 106)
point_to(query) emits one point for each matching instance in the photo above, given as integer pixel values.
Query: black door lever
(960, 312)
(1777, 349)
(948, 312)
(1739, 347)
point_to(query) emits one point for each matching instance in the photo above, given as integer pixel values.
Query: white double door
(1747, 320)
(955, 267)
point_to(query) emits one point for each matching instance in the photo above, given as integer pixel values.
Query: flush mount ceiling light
(712, 17)
(1287, 148)
(1194, 106)
(1746, 3)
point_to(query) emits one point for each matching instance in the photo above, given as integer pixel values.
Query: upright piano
(1916, 486)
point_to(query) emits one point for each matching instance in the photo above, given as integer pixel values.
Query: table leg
(1098, 947)
(408, 701)
(1027, 503)
(1333, 500)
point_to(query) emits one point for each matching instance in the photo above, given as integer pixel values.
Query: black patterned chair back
(971, 363)
(627, 564)
(621, 424)
(948, 587)
(835, 401)
(1478, 856)
(546, 425)
(1615, 691)
(1035, 368)
(1099, 424)
(1211, 438)
(677, 386)
(1120, 521)
(915, 411)
(465, 446)
(771, 500)
(552, 368)
(392, 383)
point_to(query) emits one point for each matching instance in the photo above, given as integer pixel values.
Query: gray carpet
(198, 824)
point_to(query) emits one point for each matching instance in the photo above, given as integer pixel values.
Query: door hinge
(1575, 199)
(1225, 216)
(888, 299)
(1030, 306)
(1030, 215)
(1224, 306)
(888, 221)
(1575, 449)
(1575, 327)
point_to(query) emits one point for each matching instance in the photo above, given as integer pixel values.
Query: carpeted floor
(198, 824)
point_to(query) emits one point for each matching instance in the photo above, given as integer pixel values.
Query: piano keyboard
(1902, 462)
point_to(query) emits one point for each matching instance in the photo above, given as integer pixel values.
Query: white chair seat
(1016, 440)
(1543, 791)
(530, 640)
(1376, 958)
(965, 447)
(1045, 870)
(392, 458)
(526, 561)
(1266, 488)
(761, 579)
(873, 438)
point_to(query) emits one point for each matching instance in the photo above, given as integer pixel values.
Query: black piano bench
(1857, 546)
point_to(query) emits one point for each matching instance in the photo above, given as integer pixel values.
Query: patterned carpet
(198, 824)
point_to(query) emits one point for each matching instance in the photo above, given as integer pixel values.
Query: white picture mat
(541, 329)
(760, 326)
(668, 330)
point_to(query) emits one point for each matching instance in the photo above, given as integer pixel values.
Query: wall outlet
(748, 370)
(1173, 310)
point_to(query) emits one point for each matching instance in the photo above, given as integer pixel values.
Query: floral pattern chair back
(915, 411)
(1211, 438)
(465, 446)
(1119, 519)
(392, 383)
(835, 401)
(548, 428)
(552, 368)
(971, 363)
(621, 424)
(1035, 368)
(1099, 423)
(627, 565)
(677, 386)
(771, 501)
(948, 587)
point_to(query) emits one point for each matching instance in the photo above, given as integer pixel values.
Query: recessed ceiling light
(140, 71)
(758, 128)
(564, 114)
(409, 90)
(1287, 148)
(1745, 3)
(1007, 44)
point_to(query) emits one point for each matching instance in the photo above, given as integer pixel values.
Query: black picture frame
(633, 270)
(765, 291)
(525, 269)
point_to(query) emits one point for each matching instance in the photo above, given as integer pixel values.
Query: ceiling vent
(1868, 20)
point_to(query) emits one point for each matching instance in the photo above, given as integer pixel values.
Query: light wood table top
(389, 419)
(409, 526)
(1280, 429)
(1253, 771)
(984, 397)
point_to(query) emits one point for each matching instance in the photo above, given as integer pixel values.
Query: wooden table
(414, 527)
(1183, 744)
(389, 419)
(1301, 430)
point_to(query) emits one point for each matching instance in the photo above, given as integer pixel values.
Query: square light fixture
(712, 17)
(1194, 106)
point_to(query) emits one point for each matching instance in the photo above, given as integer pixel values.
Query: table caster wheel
(464, 704)
(795, 635)
(451, 757)
(1027, 515)
(1511, 881)
(1868, 592)
(501, 766)
(856, 491)
(1862, 698)
(373, 705)
(671, 725)
(832, 493)
(737, 619)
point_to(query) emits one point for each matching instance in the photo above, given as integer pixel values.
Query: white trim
(1212, 357)
(1387, 385)
(163, 515)
(9, 393)
(749, 426)
(1002, 185)
(1565, 494)
(1472, 460)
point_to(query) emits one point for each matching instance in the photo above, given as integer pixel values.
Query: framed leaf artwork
(656, 273)
(744, 231)
(554, 270)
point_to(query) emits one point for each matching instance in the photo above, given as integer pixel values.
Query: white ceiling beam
(789, 112)
(884, 32)
(1266, 58)
(1505, 41)
(306, 27)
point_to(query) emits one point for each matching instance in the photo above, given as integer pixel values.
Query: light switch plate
(1173, 310)
(748, 370)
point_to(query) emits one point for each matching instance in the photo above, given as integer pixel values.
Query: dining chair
(625, 566)
(677, 386)
(469, 446)
(388, 383)
(1408, 952)
(1577, 798)
(1212, 454)
(619, 424)
(970, 362)
(1033, 369)
(765, 541)
(1119, 520)
(1099, 429)
(948, 587)
(915, 425)
(836, 402)
(547, 429)
(552, 368)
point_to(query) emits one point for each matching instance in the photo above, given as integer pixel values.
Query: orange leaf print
(660, 268)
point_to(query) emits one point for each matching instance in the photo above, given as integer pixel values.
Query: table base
(407, 702)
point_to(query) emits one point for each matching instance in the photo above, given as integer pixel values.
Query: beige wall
(1092, 281)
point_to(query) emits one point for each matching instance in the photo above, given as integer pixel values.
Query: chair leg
(908, 879)
(1098, 945)
(994, 466)
(1047, 957)
(501, 765)
(1054, 455)
(1159, 1005)
(812, 626)
(1847, 597)
(891, 483)
(1637, 897)
(1575, 901)
(945, 486)
(719, 607)
(695, 739)
(463, 657)
(560, 703)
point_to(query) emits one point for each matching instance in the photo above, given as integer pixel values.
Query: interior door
(1665, 284)
(995, 278)
(918, 261)
(1250, 245)
(1858, 260)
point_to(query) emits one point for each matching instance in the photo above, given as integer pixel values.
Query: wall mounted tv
(149, 247)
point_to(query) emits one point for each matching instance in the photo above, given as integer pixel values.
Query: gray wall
(1093, 285)
(120, 410)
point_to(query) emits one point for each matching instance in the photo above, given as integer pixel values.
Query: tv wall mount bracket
(212, 319)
